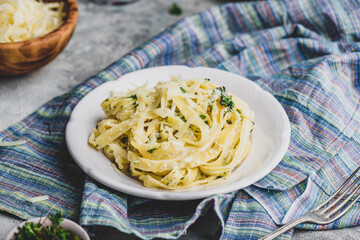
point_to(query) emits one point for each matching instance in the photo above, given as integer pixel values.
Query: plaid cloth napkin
(304, 52)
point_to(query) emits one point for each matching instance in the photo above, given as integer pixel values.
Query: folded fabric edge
(201, 209)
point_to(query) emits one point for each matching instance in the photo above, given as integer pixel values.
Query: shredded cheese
(21, 20)
(38, 199)
(11, 144)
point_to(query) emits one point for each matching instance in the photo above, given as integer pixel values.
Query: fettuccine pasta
(180, 134)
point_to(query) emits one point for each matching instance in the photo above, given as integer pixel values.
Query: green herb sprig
(225, 99)
(175, 9)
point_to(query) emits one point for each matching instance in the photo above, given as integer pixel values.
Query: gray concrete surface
(104, 34)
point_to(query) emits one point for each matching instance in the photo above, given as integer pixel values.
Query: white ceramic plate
(270, 138)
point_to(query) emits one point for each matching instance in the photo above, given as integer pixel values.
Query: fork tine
(337, 191)
(341, 196)
(335, 210)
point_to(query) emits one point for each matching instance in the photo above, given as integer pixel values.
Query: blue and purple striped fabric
(304, 52)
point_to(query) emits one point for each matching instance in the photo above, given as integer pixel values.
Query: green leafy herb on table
(175, 10)
(36, 231)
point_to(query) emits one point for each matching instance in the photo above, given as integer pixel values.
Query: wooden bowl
(27, 56)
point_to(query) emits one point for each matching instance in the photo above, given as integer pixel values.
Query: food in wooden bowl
(23, 52)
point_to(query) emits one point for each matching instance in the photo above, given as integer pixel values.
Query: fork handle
(285, 228)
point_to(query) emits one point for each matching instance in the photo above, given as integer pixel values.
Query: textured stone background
(103, 35)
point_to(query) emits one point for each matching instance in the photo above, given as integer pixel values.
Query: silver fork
(324, 214)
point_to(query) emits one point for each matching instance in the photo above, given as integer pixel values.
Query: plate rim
(176, 195)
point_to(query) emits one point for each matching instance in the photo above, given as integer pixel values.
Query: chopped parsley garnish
(226, 112)
(202, 116)
(153, 149)
(36, 231)
(207, 79)
(106, 100)
(182, 89)
(133, 97)
(252, 128)
(158, 135)
(56, 219)
(206, 122)
(175, 10)
(225, 99)
(228, 122)
(124, 139)
(238, 111)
